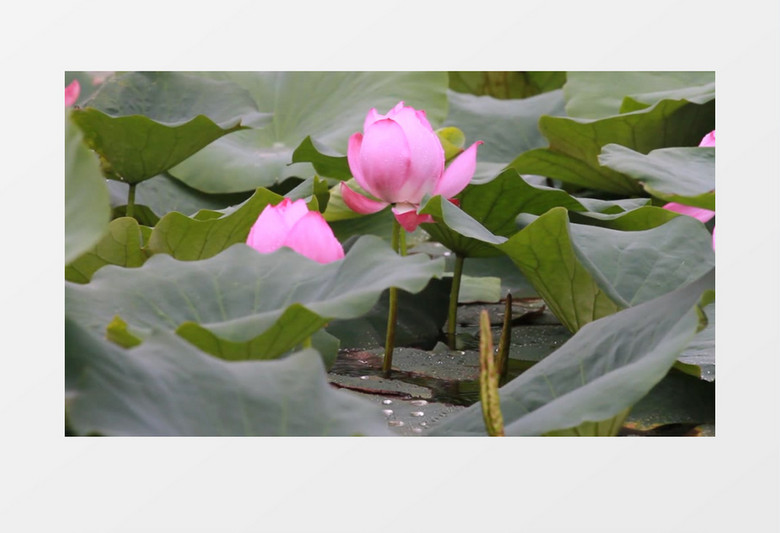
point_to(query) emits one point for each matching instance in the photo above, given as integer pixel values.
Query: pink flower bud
(291, 224)
(398, 159)
(72, 93)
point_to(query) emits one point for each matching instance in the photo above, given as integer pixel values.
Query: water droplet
(419, 402)
(424, 424)
(417, 430)
(416, 413)
(387, 412)
(387, 402)
(396, 423)
(365, 377)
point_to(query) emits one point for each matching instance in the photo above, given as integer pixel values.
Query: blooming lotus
(72, 93)
(698, 213)
(291, 224)
(398, 159)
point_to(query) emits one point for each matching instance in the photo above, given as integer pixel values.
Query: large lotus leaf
(683, 175)
(586, 272)
(677, 405)
(637, 266)
(166, 386)
(325, 161)
(314, 188)
(379, 224)
(598, 374)
(601, 94)
(698, 359)
(507, 127)
(87, 210)
(122, 246)
(644, 217)
(199, 237)
(496, 204)
(240, 293)
(294, 326)
(419, 323)
(459, 231)
(164, 194)
(142, 124)
(506, 84)
(326, 106)
(544, 254)
(575, 144)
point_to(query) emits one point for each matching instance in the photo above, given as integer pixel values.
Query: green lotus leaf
(698, 358)
(506, 84)
(123, 245)
(314, 188)
(142, 124)
(379, 224)
(683, 175)
(599, 373)
(488, 212)
(164, 194)
(325, 161)
(636, 266)
(419, 323)
(645, 217)
(199, 237)
(240, 293)
(507, 127)
(167, 387)
(588, 272)
(270, 344)
(87, 210)
(575, 143)
(544, 254)
(328, 107)
(602, 94)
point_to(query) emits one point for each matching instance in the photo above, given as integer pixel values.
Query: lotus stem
(488, 380)
(130, 201)
(502, 363)
(399, 245)
(452, 315)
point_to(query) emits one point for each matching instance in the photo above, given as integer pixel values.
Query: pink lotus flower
(291, 224)
(708, 140)
(697, 212)
(72, 93)
(398, 159)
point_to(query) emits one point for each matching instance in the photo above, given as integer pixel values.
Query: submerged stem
(452, 315)
(399, 245)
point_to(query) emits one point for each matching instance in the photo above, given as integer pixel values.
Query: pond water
(426, 386)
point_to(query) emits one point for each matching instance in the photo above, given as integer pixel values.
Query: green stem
(399, 245)
(502, 361)
(130, 201)
(452, 316)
